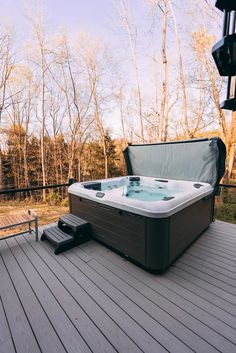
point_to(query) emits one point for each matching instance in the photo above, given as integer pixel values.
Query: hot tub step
(70, 232)
(57, 237)
(73, 222)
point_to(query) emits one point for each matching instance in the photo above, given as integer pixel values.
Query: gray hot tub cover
(200, 160)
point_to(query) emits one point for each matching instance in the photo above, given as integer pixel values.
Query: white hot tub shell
(146, 196)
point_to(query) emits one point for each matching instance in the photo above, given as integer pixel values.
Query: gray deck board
(171, 327)
(201, 253)
(23, 336)
(6, 343)
(215, 245)
(106, 324)
(214, 253)
(208, 276)
(34, 311)
(227, 298)
(98, 304)
(76, 316)
(214, 266)
(202, 298)
(160, 285)
(174, 310)
(70, 337)
(89, 299)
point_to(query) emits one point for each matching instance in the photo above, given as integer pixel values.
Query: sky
(93, 16)
(97, 17)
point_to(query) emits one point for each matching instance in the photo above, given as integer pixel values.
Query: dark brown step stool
(72, 222)
(70, 231)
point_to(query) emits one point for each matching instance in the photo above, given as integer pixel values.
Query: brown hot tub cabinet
(155, 242)
(152, 242)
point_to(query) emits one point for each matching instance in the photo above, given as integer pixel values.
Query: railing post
(71, 181)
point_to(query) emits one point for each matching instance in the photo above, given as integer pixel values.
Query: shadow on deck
(90, 299)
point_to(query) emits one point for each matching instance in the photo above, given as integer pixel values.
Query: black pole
(226, 22)
(224, 51)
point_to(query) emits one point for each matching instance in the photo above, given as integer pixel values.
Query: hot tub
(150, 219)
(147, 219)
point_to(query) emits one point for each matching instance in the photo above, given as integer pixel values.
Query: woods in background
(68, 107)
(22, 164)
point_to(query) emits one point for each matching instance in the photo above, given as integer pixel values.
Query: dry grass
(46, 213)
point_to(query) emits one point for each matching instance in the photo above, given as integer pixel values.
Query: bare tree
(120, 99)
(40, 40)
(131, 31)
(97, 65)
(7, 62)
(61, 73)
(163, 113)
(165, 72)
(69, 75)
(18, 119)
(93, 77)
(181, 72)
(232, 145)
(57, 113)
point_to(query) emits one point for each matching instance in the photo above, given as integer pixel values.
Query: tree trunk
(1, 170)
(1, 166)
(165, 73)
(181, 73)
(103, 139)
(71, 156)
(166, 121)
(26, 172)
(120, 101)
(42, 146)
(231, 147)
(132, 34)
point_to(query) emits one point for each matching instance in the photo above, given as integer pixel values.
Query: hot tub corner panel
(167, 238)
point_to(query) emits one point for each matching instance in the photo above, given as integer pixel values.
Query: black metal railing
(228, 185)
(225, 205)
(71, 181)
(34, 188)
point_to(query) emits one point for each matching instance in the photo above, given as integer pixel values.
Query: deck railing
(48, 209)
(71, 181)
(34, 188)
(227, 185)
(225, 202)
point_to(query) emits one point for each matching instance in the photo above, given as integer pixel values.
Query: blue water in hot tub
(145, 193)
(141, 191)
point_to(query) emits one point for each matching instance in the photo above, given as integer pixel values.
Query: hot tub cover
(193, 160)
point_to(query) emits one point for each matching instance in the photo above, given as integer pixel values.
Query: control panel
(100, 194)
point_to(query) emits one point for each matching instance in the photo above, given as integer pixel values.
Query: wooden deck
(89, 299)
